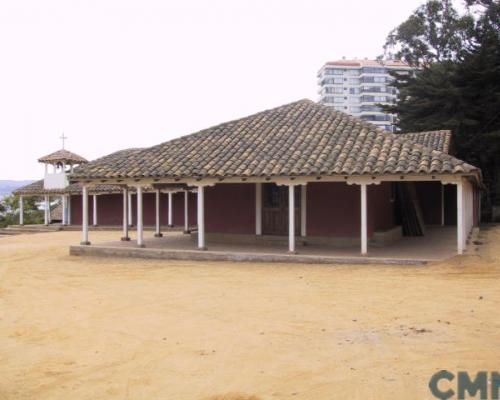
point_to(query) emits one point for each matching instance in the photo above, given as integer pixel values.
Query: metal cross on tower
(63, 138)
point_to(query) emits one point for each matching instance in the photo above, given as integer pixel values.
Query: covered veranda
(439, 241)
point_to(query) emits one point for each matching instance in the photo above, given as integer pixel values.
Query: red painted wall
(334, 209)
(110, 209)
(149, 204)
(381, 203)
(230, 208)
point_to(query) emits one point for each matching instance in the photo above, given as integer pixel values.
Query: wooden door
(275, 209)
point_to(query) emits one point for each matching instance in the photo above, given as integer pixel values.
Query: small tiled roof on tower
(303, 138)
(63, 156)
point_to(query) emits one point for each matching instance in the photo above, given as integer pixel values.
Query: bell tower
(58, 165)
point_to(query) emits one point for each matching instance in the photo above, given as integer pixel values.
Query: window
(373, 70)
(354, 90)
(336, 89)
(353, 72)
(370, 108)
(379, 79)
(374, 98)
(331, 81)
(353, 81)
(355, 109)
(373, 89)
(333, 71)
(338, 100)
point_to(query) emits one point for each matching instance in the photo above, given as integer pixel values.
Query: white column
(125, 236)
(49, 217)
(303, 211)
(170, 206)
(157, 210)
(129, 209)
(186, 212)
(442, 205)
(201, 219)
(63, 202)
(68, 206)
(94, 214)
(47, 210)
(364, 221)
(258, 208)
(21, 211)
(85, 216)
(140, 233)
(291, 219)
(460, 219)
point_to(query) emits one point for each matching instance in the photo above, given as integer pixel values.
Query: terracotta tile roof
(36, 188)
(303, 138)
(63, 156)
(437, 140)
(56, 213)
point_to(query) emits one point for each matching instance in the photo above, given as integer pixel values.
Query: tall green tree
(435, 32)
(9, 211)
(457, 89)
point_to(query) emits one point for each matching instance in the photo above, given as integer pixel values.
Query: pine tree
(459, 91)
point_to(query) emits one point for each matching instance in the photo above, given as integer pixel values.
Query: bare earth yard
(98, 328)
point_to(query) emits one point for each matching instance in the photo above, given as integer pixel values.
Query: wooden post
(460, 218)
(85, 216)
(47, 210)
(125, 236)
(68, 206)
(258, 208)
(64, 205)
(364, 221)
(303, 211)
(186, 212)
(140, 228)
(291, 218)
(157, 209)
(201, 218)
(94, 214)
(129, 209)
(21, 211)
(170, 206)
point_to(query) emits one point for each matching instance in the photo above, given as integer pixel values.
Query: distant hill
(6, 187)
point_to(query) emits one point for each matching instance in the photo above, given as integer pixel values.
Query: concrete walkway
(438, 244)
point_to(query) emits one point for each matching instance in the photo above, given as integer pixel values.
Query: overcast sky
(113, 74)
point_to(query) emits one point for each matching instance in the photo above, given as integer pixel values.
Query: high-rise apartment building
(357, 87)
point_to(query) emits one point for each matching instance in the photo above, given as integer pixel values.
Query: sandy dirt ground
(100, 328)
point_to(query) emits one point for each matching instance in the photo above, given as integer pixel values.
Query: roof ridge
(233, 121)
